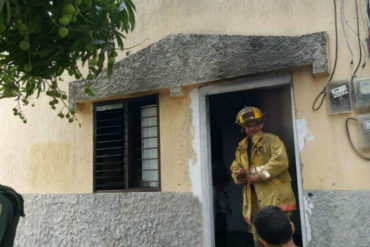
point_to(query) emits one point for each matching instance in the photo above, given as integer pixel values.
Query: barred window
(126, 145)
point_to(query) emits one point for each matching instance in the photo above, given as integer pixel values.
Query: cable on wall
(367, 14)
(321, 96)
(350, 140)
(357, 34)
(353, 76)
(344, 30)
(359, 43)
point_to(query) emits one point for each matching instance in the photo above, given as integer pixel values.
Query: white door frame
(205, 145)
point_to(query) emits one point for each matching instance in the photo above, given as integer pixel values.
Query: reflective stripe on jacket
(269, 162)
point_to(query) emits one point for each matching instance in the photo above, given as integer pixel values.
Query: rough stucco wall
(335, 220)
(176, 142)
(106, 220)
(183, 59)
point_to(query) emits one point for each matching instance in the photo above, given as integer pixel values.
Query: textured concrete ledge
(183, 59)
(115, 219)
(338, 218)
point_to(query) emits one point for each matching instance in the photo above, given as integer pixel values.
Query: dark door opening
(230, 227)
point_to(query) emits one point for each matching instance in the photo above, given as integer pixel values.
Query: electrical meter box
(364, 126)
(361, 93)
(339, 94)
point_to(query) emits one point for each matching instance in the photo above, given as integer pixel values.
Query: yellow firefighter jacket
(269, 162)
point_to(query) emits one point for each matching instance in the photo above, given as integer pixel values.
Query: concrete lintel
(184, 59)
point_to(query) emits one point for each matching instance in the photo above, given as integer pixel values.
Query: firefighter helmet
(248, 114)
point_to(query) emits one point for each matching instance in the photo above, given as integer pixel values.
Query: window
(126, 145)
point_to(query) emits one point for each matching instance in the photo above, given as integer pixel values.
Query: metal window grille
(149, 146)
(109, 147)
(126, 145)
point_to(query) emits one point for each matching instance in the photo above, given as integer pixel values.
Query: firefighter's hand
(240, 172)
(251, 179)
(240, 176)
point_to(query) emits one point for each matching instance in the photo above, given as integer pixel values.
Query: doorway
(230, 229)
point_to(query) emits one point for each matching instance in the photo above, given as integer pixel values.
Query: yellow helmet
(248, 114)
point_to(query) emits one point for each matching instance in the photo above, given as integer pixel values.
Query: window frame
(154, 97)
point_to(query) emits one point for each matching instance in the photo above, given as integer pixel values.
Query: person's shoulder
(243, 142)
(271, 137)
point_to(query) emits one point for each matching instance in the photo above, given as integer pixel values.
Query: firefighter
(11, 208)
(261, 165)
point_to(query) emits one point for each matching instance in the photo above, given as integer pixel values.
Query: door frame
(205, 145)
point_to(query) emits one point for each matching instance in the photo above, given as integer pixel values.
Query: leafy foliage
(41, 39)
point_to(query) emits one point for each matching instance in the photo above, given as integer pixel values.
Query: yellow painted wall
(176, 141)
(48, 155)
(328, 162)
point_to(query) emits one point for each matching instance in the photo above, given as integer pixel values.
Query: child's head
(273, 226)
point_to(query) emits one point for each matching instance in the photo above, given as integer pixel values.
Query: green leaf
(89, 91)
(124, 18)
(94, 34)
(131, 4)
(81, 43)
(40, 88)
(30, 87)
(45, 52)
(8, 12)
(119, 40)
(131, 18)
(36, 25)
(2, 3)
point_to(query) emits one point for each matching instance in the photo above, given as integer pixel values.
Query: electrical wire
(367, 12)
(359, 43)
(350, 140)
(322, 93)
(362, 44)
(344, 30)
(353, 76)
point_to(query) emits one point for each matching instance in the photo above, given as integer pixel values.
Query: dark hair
(273, 225)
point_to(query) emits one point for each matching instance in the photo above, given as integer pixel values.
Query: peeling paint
(303, 135)
(194, 164)
(308, 206)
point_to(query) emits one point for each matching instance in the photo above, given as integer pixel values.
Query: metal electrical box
(339, 94)
(364, 125)
(361, 93)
